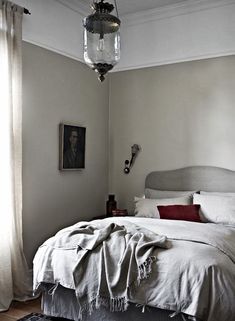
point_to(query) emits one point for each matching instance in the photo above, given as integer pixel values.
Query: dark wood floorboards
(18, 310)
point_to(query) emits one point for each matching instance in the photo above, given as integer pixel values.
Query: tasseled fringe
(174, 314)
(52, 290)
(40, 288)
(145, 268)
(184, 317)
(117, 304)
(113, 304)
(143, 306)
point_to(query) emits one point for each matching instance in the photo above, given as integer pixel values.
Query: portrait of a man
(72, 147)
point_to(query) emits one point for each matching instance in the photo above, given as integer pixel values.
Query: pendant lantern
(101, 38)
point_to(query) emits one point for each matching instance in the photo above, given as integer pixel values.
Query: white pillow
(155, 193)
(216, 209)
(146, 207)
(218, 193)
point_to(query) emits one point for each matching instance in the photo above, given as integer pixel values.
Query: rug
(40, 317)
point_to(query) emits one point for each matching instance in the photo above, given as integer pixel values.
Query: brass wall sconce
(134, 152)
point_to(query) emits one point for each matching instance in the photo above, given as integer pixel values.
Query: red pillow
(180, 212)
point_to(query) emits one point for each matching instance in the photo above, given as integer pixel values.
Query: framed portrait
(72, 147)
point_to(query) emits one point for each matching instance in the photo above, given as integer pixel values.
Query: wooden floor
(18, 310)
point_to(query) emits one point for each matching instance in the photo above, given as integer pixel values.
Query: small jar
(111, 205)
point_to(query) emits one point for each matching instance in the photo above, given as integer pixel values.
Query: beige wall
(58, 89)
(181, 114)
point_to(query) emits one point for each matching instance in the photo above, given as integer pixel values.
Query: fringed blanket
(100, 260)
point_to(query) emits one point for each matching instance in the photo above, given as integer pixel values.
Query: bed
(193, 277)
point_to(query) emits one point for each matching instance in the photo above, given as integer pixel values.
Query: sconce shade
(135, 149)
(101, 39)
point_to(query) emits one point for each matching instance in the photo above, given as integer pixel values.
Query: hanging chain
(116, 8)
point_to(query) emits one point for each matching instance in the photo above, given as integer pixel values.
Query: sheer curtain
(14, 277)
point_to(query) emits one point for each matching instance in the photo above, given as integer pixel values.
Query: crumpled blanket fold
(101, 261)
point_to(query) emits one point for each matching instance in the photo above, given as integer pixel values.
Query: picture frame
(72, 140)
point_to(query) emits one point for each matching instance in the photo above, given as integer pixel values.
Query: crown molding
(54, 49)
(174, 61)
(146, 16)
(169, 11)
(136, 66)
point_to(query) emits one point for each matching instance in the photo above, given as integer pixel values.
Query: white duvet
(195, 275)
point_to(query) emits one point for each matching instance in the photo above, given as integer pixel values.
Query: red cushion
(180, 212)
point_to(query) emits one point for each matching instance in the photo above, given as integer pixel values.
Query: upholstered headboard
(206, 178)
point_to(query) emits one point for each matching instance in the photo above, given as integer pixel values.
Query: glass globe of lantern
(101, 39)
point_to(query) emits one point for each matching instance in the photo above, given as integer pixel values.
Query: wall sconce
(134, 152)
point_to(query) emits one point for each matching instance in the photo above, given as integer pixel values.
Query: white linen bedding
(101, 273)
(196, 275)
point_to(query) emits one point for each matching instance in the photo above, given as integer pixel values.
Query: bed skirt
(63, 303)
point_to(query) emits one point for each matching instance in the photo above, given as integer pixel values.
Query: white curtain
(14, 276)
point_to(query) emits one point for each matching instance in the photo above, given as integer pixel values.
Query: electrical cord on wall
(116, 8)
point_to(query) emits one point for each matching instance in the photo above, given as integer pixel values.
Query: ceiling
(132, 6)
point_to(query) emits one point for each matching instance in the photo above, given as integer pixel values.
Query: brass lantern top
(101, 21)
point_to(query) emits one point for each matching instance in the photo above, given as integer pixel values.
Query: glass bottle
(111, 204)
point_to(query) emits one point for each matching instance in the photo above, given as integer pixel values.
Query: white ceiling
(132, 6)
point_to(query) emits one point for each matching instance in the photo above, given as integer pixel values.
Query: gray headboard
(206, 178)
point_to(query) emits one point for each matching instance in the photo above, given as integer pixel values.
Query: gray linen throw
(110, 259)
